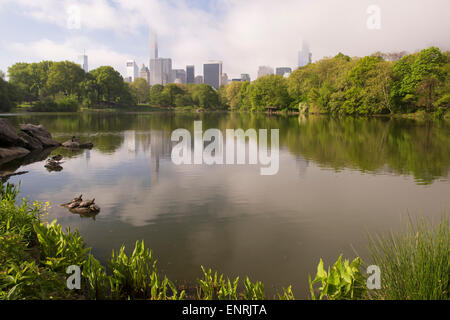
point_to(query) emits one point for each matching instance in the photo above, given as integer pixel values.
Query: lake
(338, 180)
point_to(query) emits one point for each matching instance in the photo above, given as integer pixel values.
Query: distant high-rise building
(178, 74)
(264, 71)
(304, 56)
(153, 45)
(190, 74)
(161, 71)
(82, 60)
(282, 71)
(198, 80)
(132, 70)
(212, 73)
(224, 80)
(245, 77)
(144, 73)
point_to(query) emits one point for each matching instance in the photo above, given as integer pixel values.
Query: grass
(415, 263)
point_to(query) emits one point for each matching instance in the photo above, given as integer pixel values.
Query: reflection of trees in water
(368, 144)
(406, 146)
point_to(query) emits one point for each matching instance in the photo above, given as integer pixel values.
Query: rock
(30, 142)
(5, 176)
(7, 154)
(53, 165)
(39, 132)
(8, 135)
(74, 143)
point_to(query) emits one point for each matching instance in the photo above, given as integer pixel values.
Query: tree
(171, 92)
(156, 96)
(205, 96)
(2, 75)
(140, 90)
(417, 77)
(20, 77)
(270, 91)
(64, 77)
(232, 94)
(109, 84)
(8, 96)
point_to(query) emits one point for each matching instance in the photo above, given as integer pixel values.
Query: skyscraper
(82, 60)
(198, 80)
(160, 71)
(144, 73)
(224, 80)
(212, 74)
(245, 77)
(190, 74)
(132, 70)
(153, 45)
(264, 71)
(282, 71)
(304, 56)
(178, 76)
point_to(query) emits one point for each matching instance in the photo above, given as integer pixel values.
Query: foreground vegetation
(34, 257)
(376, 84)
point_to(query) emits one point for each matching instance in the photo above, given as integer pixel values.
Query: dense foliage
(360, 86)
(63, 86)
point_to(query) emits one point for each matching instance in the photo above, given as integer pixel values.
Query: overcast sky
(244, 34)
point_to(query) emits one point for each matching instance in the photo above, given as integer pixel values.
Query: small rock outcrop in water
(53, 165)
(86, 207)
(30, 138)
(74, 143)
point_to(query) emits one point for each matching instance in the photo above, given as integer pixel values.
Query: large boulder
(8, 134)
(40, 133)
(7, 154)
(31, 143)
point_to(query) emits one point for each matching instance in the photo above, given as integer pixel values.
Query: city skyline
(115, 32)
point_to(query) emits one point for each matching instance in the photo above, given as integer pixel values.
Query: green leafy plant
(59, 249)
(254, 291)
(287, 294)
(343, 281)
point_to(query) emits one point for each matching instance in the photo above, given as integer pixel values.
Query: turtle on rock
(86, 203)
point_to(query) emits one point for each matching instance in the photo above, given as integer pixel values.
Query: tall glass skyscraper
(82, 60)
(190, 74)
(212, 74)
(304, 56)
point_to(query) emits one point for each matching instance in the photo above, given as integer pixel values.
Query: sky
(244, 34)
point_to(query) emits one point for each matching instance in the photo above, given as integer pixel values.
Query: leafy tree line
(65, 85)
(360, 86)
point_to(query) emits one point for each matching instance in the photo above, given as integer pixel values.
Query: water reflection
(338, 178)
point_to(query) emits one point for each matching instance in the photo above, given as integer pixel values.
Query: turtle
(74, 204)
(57, 157)
(86, 203)
(94, 208)
(79, 198)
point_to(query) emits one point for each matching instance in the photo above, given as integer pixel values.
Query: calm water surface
(338, 180)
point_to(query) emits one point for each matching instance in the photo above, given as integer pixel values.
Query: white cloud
(46, 49)
(245, 34)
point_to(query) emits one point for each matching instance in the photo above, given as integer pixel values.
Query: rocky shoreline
(30, 138)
